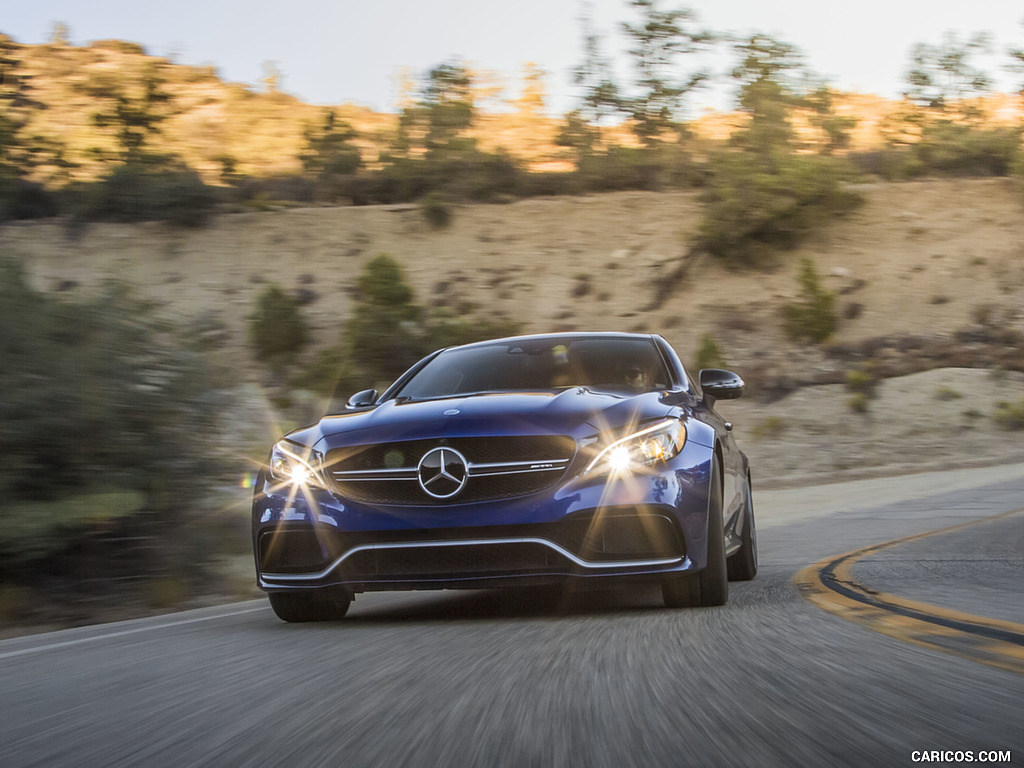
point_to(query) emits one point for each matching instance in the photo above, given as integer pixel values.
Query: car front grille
(513, 558)
(495, 468)
(299, 550)
(584, 541)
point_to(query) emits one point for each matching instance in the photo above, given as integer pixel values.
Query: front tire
(710, 586)
(301, 606)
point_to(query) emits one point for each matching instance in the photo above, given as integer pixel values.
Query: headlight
(657, 443)
(290, 463)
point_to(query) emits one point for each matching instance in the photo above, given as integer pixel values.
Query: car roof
(567, 335)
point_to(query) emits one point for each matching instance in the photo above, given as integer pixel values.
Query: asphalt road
(478, 679)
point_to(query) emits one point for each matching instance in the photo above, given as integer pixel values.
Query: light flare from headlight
(619, 459)
(654, 444)
(295, 466)
(624, 462)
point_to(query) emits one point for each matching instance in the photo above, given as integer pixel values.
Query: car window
(631, 365)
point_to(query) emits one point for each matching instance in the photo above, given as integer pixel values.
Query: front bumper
(643, 526)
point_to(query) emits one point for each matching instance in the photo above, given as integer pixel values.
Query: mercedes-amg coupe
(548, 460)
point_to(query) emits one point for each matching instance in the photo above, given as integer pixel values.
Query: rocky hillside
(917, 265)
(928, 275)
(219, 127)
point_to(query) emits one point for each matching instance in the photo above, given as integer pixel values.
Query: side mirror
(718, 384)
(363, 399)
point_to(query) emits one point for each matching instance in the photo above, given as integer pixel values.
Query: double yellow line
(829, 585)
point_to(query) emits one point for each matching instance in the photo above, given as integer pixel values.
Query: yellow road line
(829, 585)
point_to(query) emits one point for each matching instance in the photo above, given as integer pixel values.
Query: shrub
(263, 193)
(104, 419)
(531, 184)
(813, 317)
(753, 210)
(946, 148)
(476, 176)
(861, 380)
(101, 415)
(330, 157)
(956, 149)
(858, 402)
(446, 330)
(276, 328)
(620, 168)
(387, 332)
(582, 286)
(22, 199)
(708, 354)
(400, 180)
(862, 383)
(34, 530)
(452, 175)
(769, 426)
(137, 192)
(383, 334)
(892, 164)
(436, 211)
(329, 374)
(1009, 415)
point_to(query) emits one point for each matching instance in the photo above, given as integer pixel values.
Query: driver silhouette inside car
(637, 375)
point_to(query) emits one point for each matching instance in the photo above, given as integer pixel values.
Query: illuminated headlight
(652, 445)
(290, 463)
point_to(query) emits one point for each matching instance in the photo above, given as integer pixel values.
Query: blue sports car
(555, 459)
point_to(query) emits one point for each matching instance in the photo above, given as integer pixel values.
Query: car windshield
(620, 364)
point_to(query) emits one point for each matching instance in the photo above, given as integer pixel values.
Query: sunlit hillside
(219, 127)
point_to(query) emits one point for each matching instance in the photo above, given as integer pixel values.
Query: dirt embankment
(928, 274)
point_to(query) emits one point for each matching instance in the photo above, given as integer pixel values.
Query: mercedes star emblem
(443, 472)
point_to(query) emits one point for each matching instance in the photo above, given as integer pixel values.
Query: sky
(336, 51)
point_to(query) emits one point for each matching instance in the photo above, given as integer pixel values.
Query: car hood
(577, 412)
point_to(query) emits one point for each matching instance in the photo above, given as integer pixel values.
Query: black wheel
(711, 585)
(300, 606)
(742, 565)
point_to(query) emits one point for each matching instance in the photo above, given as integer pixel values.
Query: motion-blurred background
(189, 267)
